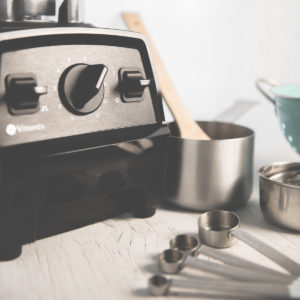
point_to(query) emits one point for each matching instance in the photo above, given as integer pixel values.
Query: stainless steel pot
(210, 174)
(280, 194)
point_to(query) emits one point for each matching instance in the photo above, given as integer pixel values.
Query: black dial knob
(81, 87)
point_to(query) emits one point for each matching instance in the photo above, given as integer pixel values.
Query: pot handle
(261, 82)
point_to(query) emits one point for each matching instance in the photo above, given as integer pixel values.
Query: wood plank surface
(114, 259)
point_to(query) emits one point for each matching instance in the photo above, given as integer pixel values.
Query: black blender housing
(61, 169)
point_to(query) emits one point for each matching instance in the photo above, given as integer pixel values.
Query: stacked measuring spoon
(237, 277)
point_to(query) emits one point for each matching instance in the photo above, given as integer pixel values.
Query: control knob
(23, 93)
(133, 84)
(81, 87)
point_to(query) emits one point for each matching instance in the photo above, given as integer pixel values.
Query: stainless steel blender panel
(49, 63)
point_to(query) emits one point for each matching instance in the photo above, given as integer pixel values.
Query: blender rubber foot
(10, 252)
(145, 213)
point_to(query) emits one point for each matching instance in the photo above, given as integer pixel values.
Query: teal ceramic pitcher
(286, 98)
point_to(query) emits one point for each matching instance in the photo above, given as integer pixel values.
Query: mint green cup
(286, 99)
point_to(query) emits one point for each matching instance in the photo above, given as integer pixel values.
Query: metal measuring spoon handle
(160, 285)
(232, 272)
(282, 291)
(189, 245)
(282, 260)
(173, 261)
(236, 261)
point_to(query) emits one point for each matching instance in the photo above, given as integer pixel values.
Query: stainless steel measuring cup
(210, 174)
(219, 229)
(216, 227)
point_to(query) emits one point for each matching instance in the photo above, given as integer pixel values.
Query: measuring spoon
(160, 285)
(172, 261)
(189, 245)
(219, 229)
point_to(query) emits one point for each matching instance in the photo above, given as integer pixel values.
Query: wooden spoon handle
(188, 128)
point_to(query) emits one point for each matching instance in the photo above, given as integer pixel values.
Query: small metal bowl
(216, 227)
(280, 194)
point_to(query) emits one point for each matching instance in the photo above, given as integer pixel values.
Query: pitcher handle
(261, 82)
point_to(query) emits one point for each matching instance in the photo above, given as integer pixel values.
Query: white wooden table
(114, 259)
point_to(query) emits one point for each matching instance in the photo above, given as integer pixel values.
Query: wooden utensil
(188, 128)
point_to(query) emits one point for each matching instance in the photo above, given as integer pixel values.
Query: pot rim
(281, 163)
(218, 211)
(250, 135)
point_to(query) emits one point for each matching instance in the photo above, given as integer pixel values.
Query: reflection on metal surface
(70, 11)
(130, 147)
(283, 201)
(136, 148)
(6, 10)
(33, 9)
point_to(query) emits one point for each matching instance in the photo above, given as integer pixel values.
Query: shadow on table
(144, 293)
(251, 215)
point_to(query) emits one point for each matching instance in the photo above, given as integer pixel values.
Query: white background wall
(215, 49)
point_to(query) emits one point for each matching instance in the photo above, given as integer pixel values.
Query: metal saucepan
(205, 170)
(210, 174)
(280, 194)
(208, 166)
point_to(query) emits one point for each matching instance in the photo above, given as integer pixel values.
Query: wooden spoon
(188, 128)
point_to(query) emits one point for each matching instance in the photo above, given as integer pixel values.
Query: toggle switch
(133, 84)
(23, 93)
